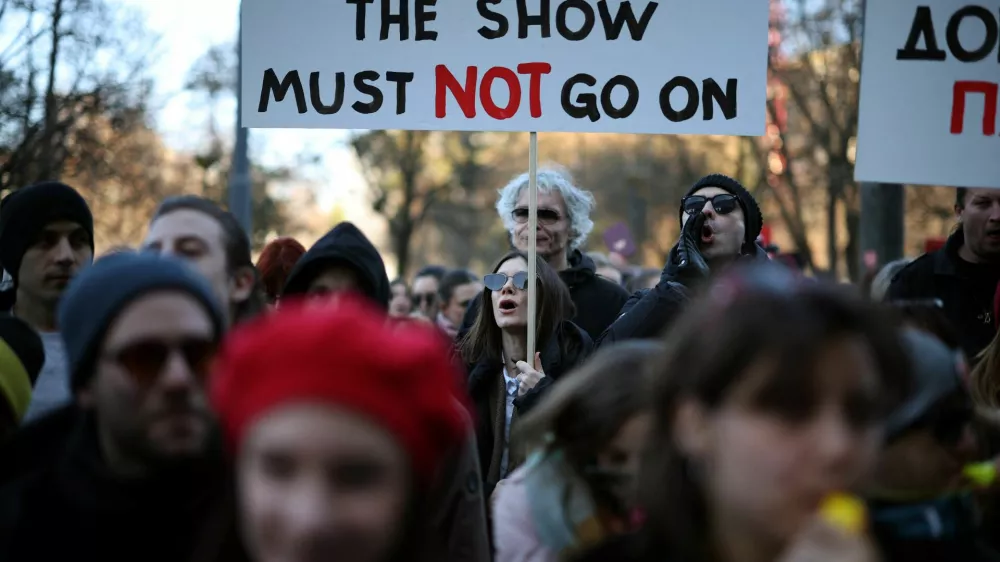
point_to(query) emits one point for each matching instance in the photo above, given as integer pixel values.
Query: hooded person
(342, 260)
(720, 222)
(21, 358)
(134, 461)
(46, 239)
(925, 511)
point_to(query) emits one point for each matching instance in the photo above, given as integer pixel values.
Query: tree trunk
(49, 165)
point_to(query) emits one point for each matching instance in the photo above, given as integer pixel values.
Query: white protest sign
(642, 66)
(929, 93)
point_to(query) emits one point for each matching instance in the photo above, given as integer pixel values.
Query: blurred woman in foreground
(576, 489)
(770, 397)
(336, 446)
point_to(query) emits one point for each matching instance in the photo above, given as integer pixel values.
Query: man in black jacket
(964, 274)
(129, 470)
(720, 222)
(563, 226)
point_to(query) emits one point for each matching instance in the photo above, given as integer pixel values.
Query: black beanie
(751, 211)
(25, 213)
(100, 292)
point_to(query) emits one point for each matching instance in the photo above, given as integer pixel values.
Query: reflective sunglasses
(723, 203)
(144, 360)
(496, 281)
(427, 298)
(545, 216)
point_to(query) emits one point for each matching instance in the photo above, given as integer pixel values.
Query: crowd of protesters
(177, 402)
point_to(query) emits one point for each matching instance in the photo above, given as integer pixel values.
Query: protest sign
(929, 93)
(643, 66)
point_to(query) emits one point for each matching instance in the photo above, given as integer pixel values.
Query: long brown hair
(584, 412)
(744, 318)
(554, 306)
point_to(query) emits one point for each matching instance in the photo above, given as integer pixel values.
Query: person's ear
(958, 212)
(692, 430)
(241, 283)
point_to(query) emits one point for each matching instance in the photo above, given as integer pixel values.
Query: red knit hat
(344, 352)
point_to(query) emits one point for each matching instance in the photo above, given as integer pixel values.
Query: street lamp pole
(240, 197)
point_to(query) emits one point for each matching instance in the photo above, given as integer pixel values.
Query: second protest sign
(669, 66)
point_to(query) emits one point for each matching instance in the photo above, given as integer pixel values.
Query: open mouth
(707, 234)
(507, 306)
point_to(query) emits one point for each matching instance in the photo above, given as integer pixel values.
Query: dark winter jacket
(75, 509)
(597, 300)
(942, 529)
(348, 245)
(966, 290)
(560, 354)
(650, 311)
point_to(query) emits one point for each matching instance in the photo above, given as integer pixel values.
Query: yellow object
(845, 512)
(15, 385)
(982, 474)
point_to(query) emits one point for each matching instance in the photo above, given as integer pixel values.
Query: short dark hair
(235, 241)
(960, 194)
(452, 280)
(435, 271)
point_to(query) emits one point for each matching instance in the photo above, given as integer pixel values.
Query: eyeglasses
(496, 281)
(424, 298)
(723, 203)
(145, 360)
(545, 216)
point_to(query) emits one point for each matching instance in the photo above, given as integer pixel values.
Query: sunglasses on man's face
(425, 298)
(145, 360)
(496, 281)
(723, 203)
(545, 216)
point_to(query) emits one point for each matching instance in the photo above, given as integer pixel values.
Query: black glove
(691, 264)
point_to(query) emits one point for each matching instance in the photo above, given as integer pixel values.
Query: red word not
(991, 95)
(465, 95)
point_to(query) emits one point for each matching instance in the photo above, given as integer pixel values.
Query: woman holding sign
(503, 382)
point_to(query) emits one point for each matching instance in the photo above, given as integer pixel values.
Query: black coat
(965, 289)
(73, 508)
(560, 355)
(650, 311)
(597, 300)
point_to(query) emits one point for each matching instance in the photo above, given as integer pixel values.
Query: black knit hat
(25, 213)
(100, 292)
(754, 221)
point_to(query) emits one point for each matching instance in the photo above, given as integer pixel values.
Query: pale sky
(187, 28)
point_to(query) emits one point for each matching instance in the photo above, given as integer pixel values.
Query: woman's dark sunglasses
(723, 203)
(545, 216)
(144, 360)
(496, 281)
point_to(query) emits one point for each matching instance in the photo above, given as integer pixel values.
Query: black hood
(581, 269)
(346, 244)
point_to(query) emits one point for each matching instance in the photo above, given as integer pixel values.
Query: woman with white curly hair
(563, 226)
